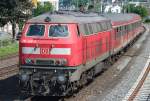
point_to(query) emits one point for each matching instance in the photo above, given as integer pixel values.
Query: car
(5, 35)
(18, 36)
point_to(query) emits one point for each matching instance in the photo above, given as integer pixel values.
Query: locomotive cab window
(36, 30)
(58, 31)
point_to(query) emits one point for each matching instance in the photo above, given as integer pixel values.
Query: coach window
(120, 31)
(36, 30)
(117, 29)
(123, 29)
(133, 25)
(117, 32)
(58, 31)
(130, 27)
(126, 28)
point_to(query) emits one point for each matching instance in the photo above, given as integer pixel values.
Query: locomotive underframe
(39, 81)
(42, 80)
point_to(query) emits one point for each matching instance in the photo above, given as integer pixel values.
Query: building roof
(68, 17)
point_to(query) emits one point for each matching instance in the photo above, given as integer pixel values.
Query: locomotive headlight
(60, 62)
(24, 77)
(61, 79)
(29, 61)
(63, 61)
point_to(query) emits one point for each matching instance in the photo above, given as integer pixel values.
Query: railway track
(9, 67)
(141, 89)
(9, 56)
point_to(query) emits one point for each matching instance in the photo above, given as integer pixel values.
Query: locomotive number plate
(44, 51)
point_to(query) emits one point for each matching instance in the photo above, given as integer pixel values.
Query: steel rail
(8, 71)
(140, 84)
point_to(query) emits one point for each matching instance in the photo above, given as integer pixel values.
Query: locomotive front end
(48, 57)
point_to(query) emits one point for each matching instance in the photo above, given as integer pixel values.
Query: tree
(142, 11)
(43, 8)
(14, 11)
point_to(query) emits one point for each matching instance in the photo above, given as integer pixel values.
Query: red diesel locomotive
(59, 52)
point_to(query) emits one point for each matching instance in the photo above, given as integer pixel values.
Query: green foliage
(78, 3)
(97, 7)
(43, 8)
(142, 11)
(9, 50)
(82, 2)
(147, 21)
(14, 11)
(21, 23)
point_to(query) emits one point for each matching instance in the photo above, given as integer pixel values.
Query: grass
(8, 50)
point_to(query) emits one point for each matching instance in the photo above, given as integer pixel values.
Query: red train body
(57, 49)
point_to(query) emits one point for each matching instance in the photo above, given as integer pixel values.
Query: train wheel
(83, 79)
(90, 75)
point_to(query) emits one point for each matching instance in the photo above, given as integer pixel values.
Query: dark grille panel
(44, 62)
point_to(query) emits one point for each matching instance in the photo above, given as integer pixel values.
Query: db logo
(44, 51)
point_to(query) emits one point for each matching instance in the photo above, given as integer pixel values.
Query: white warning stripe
(60, 51)
(30, 50)
(53, 51)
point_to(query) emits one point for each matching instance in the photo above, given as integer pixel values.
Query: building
(145, 3)
(55, 3)
(113, 9)
(116, 9)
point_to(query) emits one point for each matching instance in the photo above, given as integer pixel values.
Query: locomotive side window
(94, 27)
(86, 28)
(91, 31)
(58, 31)
(104, 26)
(100, 27)
(36, 30)
(78, 30)
(109, 25)
(81, 28)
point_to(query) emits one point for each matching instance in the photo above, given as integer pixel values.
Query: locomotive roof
(68, 17)
(121, 17)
